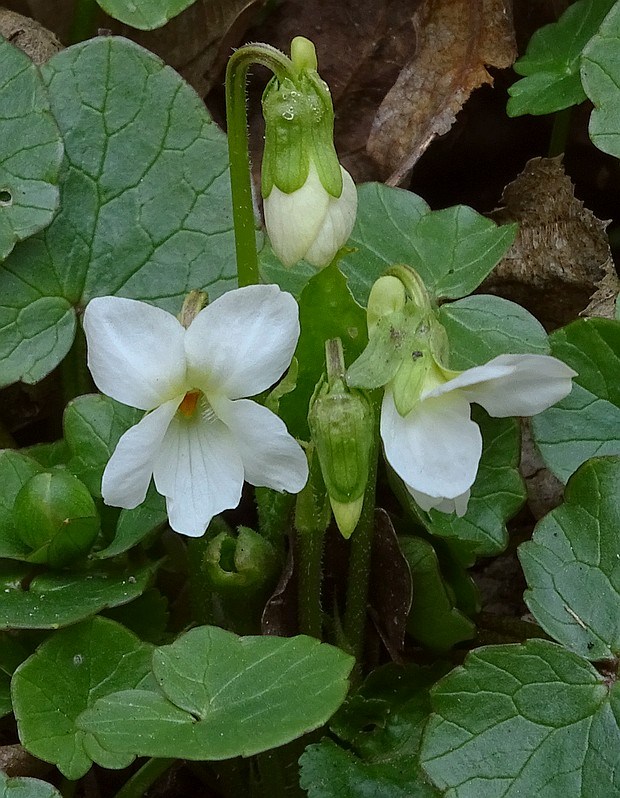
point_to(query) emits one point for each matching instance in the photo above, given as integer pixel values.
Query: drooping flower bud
(309, 200)
(341, 423)
(56, 517)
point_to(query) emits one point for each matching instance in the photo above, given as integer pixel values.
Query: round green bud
(241, 563)
(387, 296)
(56, 517)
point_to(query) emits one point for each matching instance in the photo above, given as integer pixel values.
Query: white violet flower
(310, 223)
(200, 438)
(436, 447)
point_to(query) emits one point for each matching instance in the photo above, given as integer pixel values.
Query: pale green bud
(387, 296)
(310, 201)
(342, 428)
(56, 517)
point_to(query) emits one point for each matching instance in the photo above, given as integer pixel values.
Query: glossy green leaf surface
(531, 719)
(551, 63)
(571, 564)
(223, 696)
(67, 674)
(587, 422)
(145, 203)
(53, 600)
(30, 150)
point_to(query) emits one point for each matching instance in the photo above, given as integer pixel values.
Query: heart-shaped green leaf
(52, 600)
(67, 674)
(481, 327)
(144, 16)
(531, 719)
(551, 63)
(587, 422)
(30, 150)
(600, 75)
(145, 203)
(571, 564)
(224, 696)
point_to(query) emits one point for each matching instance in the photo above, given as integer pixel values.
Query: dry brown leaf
(456, 41)
(196, 43)
(561, 255)
(35, 40)
(16, 761)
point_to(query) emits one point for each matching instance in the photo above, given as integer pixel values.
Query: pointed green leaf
(587, 422)
(481, 327)
(571, 564)
(531, 719)
(67, 674)
(600, 75)
(134, 525)
(30, 150)
(144, 15)
(52, 600)
(380, 729)
(224, 696)
(551, 63)
(145, 203)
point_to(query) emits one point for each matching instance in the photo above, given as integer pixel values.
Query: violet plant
(304, 438)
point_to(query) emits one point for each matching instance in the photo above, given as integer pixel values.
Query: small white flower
(436, 448)
(309, 223)
(199, 439)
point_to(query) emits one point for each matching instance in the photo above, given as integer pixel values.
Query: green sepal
(341, 423)
(392, 340)
(409, 381)
(299, 129)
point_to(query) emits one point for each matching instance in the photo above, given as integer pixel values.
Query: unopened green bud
(56, 517)
(309, 200)
(341, 424)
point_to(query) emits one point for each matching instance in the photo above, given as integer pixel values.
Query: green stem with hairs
(358, 580)
(559, 132)
(238, 152)
(75, 376)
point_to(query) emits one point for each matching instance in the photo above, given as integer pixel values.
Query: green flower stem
(75, 376)
(239, 157)
(559, 132)
(139, 783)
(354, 622)
(312, 516)
(83, 25)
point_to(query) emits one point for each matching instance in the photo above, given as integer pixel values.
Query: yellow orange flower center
(188, 406)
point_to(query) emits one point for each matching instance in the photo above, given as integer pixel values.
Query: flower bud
(309, 200)
(56, 517)
(341, 423)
